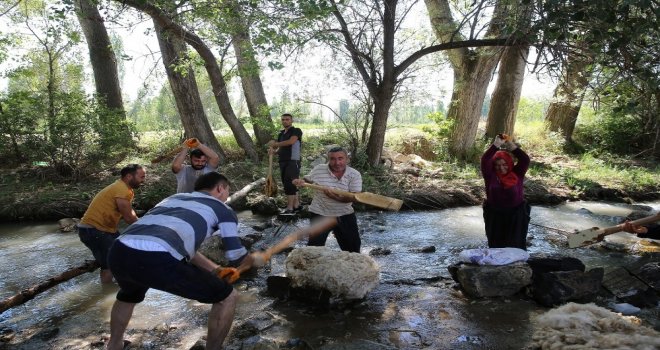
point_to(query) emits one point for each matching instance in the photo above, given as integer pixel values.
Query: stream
(416, 305)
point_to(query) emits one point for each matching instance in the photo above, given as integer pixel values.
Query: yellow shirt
(103, 212)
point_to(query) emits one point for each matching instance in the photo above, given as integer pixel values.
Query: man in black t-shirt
(288, 148)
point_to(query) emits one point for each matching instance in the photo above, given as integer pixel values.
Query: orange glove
(192, 143)
(229, 274)
(504, 137)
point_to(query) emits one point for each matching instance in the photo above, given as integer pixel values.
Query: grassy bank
(37, 193)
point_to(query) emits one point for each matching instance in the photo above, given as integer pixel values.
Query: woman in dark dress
(506, 213)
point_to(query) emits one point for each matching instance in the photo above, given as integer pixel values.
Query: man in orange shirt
(98, 227)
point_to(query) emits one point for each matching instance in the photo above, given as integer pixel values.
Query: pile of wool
(343, 274)
(587, 326)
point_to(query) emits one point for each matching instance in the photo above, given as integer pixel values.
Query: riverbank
(35, 194)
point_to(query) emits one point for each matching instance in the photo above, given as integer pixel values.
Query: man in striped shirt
(336, 174)
(160, 251)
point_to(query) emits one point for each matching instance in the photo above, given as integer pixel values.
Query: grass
(30, 193)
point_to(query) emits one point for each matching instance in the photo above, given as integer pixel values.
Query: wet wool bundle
(587, 326)
(343, 274)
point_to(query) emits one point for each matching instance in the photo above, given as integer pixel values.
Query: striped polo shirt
(351, 181)
(180, 223)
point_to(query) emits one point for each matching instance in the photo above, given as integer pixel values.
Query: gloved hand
(192, 143)
(229, 274)
(510, 145)
(499, 141)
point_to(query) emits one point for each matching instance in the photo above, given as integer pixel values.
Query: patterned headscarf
(510, 178)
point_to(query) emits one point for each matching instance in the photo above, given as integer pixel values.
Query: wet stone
(427, 249)
(380, 251)
(541, 263)
(558, 287)
(259, 343)
(491, 281)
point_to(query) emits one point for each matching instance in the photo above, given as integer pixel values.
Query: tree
(210, 63)
(506, 96)
(368, 32)
(184, 88)
(102, 57)
(473, 68)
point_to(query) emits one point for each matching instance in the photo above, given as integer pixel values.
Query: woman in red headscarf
(506, 213)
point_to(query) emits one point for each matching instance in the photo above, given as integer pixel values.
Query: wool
(343, 274)
(587, 326)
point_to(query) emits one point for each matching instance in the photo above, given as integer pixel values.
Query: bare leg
(106, 276)
(220, 320)
(119, 316)
(292, 201)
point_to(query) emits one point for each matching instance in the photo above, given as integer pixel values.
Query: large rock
(558, 287)
(541, 263)
(343, 274)
(491, 281)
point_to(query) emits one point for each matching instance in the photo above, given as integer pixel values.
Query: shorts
(136, 271)
(98, 242)
(289, 170)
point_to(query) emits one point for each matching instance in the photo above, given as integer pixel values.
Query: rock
(558, 287)
(259, 343)
(263, 205)
(343, 274)
(650, 272)
(491, 281)
(427, 249)
(199, 345)
(541, 263)
(278, 286)
(68, 224)
(380, 251)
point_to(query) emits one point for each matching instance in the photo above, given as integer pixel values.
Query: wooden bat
(596, 234)
(365, 197)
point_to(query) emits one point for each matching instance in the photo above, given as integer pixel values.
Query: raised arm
(523, 162)
(177, 163)
(213, 158)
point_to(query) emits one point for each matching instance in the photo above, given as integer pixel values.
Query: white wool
(343, 274)
(587, 326)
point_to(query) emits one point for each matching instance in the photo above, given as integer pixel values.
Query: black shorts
(98, 242)
(136, 271)
(289, 170)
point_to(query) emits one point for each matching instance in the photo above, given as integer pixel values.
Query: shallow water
(401, 313)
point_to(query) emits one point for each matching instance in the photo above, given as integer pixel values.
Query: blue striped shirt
(180, 223)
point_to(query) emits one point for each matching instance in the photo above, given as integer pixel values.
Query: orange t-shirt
(103, 212)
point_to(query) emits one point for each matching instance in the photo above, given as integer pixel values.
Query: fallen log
(29, 293)
(245, 190)
(91, 265)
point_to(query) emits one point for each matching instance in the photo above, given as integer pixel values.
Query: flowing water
(416, 305)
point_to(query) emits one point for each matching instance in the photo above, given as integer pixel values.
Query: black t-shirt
(292, 152)
(653, 232)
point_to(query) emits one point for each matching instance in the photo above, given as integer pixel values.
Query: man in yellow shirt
(98, 227)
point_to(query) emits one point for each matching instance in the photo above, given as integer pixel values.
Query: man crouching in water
(160, 251)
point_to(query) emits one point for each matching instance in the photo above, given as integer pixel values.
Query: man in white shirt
(335, 175)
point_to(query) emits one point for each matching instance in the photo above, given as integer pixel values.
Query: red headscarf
(510, 178)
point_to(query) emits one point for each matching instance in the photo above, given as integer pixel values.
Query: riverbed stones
(558, 287)
(345, 275)
(491, 281)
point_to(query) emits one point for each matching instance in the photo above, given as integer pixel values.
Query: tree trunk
(473, 69)
(184, 87)
(102, 57)
(567, 99)
(210, 63)
(470, 85)
(249, 71)
(506, 96)
(378, 127)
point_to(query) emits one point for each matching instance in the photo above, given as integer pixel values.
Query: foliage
(441, 132)
(81, 138)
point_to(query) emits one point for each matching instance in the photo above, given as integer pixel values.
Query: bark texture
(567, 98)
(102, 57)
(185, 91)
